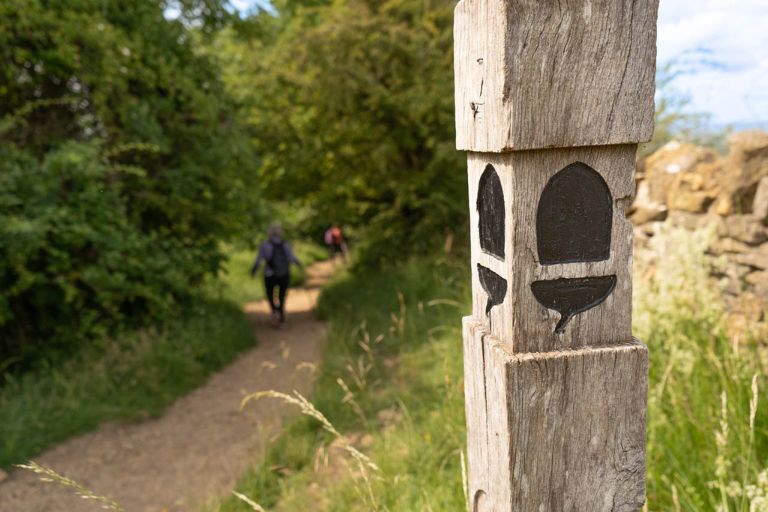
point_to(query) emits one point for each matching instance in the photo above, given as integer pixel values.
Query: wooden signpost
(552, 99)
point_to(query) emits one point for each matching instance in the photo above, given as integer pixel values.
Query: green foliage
(121, 165)
(71, 258)
(351, 107)
(131, 376)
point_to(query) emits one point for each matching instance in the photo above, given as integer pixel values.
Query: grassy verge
(134, 375)
(391, 385)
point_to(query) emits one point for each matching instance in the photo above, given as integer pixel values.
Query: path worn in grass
(203, 442)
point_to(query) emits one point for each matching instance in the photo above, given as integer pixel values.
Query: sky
(248, 5)
(719, 48)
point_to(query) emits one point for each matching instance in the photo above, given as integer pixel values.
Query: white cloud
(246, 6)
(242, 5)
(722, 45)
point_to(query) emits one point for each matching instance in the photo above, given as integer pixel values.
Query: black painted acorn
(573, 225)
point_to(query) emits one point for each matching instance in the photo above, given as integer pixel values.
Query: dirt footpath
(203, 443)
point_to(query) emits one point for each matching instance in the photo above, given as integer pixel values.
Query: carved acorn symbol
(573, 225)
(490, 208)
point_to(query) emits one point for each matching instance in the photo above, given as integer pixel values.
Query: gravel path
(203, 443)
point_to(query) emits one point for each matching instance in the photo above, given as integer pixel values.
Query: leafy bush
(121, 166)
(70, 257)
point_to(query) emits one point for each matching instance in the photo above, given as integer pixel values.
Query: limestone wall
(696, 188)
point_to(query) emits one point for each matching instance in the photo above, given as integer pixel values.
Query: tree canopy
(122, 165)
(350, 104)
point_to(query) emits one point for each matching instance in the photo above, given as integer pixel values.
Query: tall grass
(707, 427)
(49, 475)
(392, 383)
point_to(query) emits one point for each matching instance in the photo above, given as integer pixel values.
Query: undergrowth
(391, 383)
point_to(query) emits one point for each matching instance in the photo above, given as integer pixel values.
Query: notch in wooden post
(551, 101)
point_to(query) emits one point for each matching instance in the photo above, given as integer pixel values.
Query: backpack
(279, 261)
(336, 236)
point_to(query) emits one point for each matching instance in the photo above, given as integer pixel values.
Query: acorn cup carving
(573, 225)
(494, 285)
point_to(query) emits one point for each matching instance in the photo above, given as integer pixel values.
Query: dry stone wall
(696, 188)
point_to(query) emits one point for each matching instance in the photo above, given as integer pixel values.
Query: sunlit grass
(395, 344)
(134, 375)
(707, 429)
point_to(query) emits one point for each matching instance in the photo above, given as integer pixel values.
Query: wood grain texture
(521, 321)
(537, 74)
(559, 431)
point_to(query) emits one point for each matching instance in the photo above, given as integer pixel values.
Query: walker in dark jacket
(278, 256)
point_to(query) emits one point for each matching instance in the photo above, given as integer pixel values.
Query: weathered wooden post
(551, 101)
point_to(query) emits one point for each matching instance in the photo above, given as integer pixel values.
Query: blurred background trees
(350, 106)
(122, 165)
(136, 138)
(675, 120)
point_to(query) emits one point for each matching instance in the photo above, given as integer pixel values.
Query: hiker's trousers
(281, 283)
